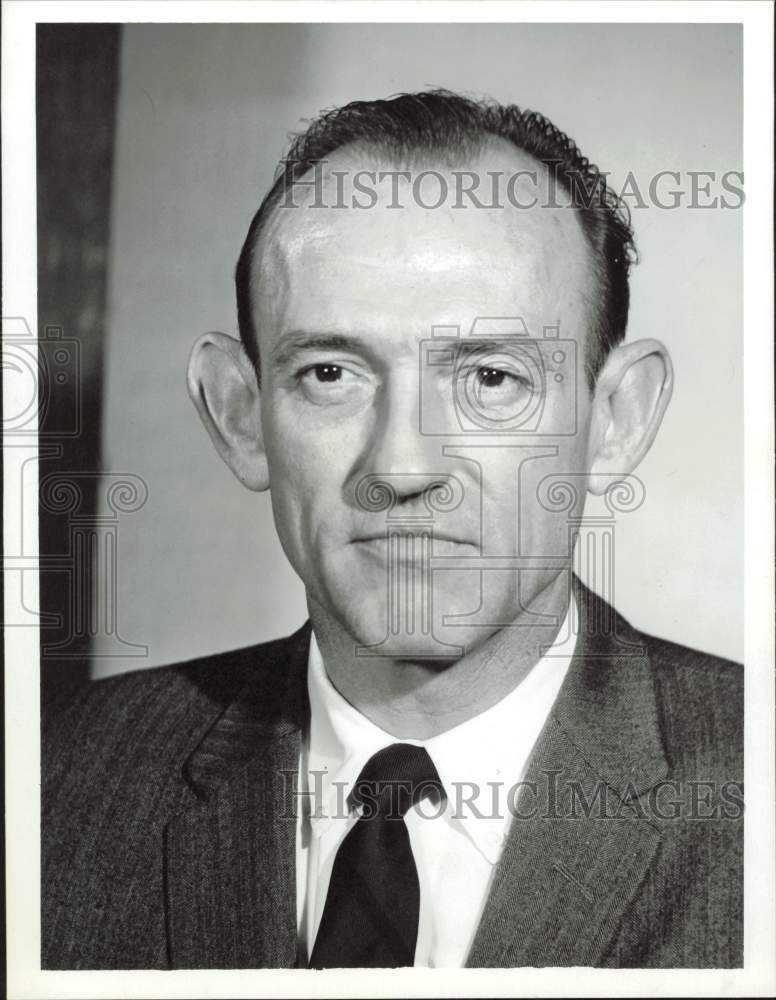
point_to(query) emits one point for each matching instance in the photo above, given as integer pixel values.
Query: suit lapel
(583, 840)
(230, 857)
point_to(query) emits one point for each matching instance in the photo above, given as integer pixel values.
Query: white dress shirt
(456, 843)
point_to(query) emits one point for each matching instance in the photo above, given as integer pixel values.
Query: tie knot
(394, 780)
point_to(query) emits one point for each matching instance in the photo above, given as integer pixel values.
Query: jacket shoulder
(699, 675)
(154, 712)
(700, 699)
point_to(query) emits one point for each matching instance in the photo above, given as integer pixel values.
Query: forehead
(325, 265)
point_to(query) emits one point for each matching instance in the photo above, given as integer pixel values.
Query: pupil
(491, 377)
(327, 373)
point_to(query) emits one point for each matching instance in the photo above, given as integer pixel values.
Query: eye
(493, 382)
(493, 385)
(327, 373)
(493, 378)
(327, 383)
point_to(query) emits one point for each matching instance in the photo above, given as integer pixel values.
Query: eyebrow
(297, 342)
(500, 344)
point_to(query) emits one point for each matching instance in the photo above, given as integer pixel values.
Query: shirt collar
(478, 761)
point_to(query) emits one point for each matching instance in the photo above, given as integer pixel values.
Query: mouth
(411, 544)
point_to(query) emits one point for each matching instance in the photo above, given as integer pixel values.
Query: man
(466, 757)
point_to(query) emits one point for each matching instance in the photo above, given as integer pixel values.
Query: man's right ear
(223, 387)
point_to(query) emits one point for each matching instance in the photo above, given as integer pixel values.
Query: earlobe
(222, 385)
(631, 396)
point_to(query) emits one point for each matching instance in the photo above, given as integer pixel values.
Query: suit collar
(272, 705)
(607, 705)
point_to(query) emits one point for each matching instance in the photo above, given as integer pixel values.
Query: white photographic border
(19, 296)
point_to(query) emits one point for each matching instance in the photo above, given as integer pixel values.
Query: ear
(223, 387)
(632, 392)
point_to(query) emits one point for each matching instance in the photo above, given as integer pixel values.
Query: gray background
(202, 119)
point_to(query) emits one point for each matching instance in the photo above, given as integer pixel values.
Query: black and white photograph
(388, 500)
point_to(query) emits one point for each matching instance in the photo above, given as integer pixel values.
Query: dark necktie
(370, 919)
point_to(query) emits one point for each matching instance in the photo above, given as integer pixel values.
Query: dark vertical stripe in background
(76, 90)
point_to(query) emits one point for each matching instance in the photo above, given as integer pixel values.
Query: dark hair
(439, 122)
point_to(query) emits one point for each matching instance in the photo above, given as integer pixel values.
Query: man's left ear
(632, 392)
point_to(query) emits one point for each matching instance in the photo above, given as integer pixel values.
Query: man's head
(439, 357)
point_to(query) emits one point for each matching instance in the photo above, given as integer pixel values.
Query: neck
(417, 699)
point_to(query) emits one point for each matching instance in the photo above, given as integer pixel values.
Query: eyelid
(324, 363)
(468, 369)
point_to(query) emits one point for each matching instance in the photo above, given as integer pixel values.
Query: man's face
(354, 395)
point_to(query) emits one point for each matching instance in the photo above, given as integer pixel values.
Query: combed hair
(443, 124)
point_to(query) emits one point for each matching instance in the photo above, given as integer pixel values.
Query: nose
(397, 452)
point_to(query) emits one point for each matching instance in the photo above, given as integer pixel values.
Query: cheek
(306, 478)
(529, 504)
(555, 497)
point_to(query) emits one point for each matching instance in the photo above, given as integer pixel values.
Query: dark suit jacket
(168, 815)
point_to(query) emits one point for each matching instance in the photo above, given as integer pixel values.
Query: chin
(403, 629)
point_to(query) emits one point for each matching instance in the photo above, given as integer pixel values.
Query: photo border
(758, 977)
